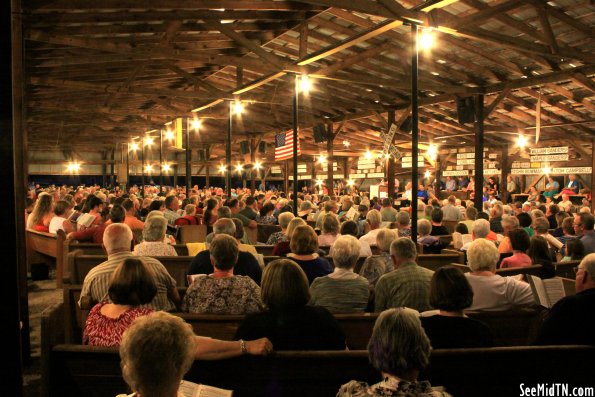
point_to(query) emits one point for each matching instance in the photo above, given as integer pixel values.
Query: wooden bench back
(435, 261)
(47, 248)
(192, 234)
(94, 371)
(79, 265)
(265, 231)
(565, 269)
(516, 327)
(534, 270)
(252, 235)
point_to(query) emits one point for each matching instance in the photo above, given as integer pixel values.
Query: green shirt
(245, 221)
(407, 286)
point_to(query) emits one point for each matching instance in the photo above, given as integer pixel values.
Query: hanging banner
(549, 157)
(549, 150)
(179, 133)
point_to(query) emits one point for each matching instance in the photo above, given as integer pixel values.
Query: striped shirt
(408, 286)
(340, 294)
(97, 281)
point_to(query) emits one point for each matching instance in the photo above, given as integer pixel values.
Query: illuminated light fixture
(222, 169)
(73, 167)
(166, 167)
(196, 124)
(169, 135)
(432, 151)
(441, 61)
(521, 141)
(350, 182)
(386, 155)
(426, 40)
(239, 168)
(322, 159)
(319, 182)
(305, 83)
(238, 107)
(435, 73)
(444, 141)
(346, 143)
(148, 141)
(257, 165)
(547, 170)
(368, 155)
(427, 174)
(134, 146)
(148, 168)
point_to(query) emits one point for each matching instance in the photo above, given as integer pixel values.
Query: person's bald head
(117, 237)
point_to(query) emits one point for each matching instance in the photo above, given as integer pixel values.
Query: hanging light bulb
(196, 124)
(169, 134)
(148, 168)
(134, 146)
(432, 151)
(166, 167)
(426, 40)
(346, 143)
(350, 182)
(547, 170)
(239, 168)
(257, 165)
(322, 159)
(238, 107)
(427, 174)
(305, 84)
(319, 182)
(222, 169)
(148, 141)
(368, 155)
(521, 141)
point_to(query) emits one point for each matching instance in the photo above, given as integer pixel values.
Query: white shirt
(494, 293)
(343, 274)
(57, 223)
(370, 237)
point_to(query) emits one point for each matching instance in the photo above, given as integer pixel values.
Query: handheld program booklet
(190, 389)
(546, 292)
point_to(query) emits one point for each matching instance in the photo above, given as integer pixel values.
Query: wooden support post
(104, 169)
(176, 169)
(437, 175)
(286, 178)
(592, 173)
(504, 171)
(479, 138)
(253, 148)
(390, 162)
(329, 157)
(207, 167)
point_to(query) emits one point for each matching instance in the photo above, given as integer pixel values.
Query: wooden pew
(534, 270)
(266, 250)
(435, 261)
(265, 231)
(47, 248)
(566, 269)
(192, 233)
(252, 235)
(79, 265)
(97, 249)
(515, 327)
(94, 372)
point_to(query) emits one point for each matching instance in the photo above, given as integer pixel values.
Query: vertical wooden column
(253, 148)
(414, 130)
(438, 174)
(592, 173)
(104, 168)
(207, 166)
(113, 168)
(329, 157)
(286, 178)
(228, 169)
(313, 175)
(504, 171)
(479, 138)
(390, 162)
(176, 169)
(15, 175)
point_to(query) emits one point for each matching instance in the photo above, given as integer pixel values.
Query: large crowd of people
(326, 266)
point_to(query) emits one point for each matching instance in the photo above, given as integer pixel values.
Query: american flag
(284, 146)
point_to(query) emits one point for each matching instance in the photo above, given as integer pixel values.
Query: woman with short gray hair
(277, 237)
(342, 291)
(154, 238)
(403, 224)
(400, 350)
(492, 292)
(329, 230)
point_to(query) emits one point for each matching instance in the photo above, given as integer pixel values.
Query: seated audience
(492, 292)
(583, 228)
(132, 285)
(304, 247)
(277, 237)
(408, 285)
(153, 243)
(525, 222)
(190, 218)
(42, 214)
(508, 223)
(570, 321)
(130, 219)
(59, 222)
(520, 242)
(329, 231)
(94, 234)
(289, 322)
(265, 215)
(471, 215)
(387, 212)
(222, 292)
(282, 248)
(575, 251)
(540, 254)
(351, 228)
(437, 228)
(117, 241)
(403, 224)
(400, 350)
(496, 219)
(246, 265)
(342, 291)
(431, 244)
(384, 239)
(158, 349)
(450, 294)
(373, 221)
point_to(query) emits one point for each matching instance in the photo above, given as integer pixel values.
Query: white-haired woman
(400, 350)
(277, 237)
(342, 291)
(329, 231)
(154, 238)
(492, 292)
(373, 220)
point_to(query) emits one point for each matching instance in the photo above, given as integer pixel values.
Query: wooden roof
(99, 73)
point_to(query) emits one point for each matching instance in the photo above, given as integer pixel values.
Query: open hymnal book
(546, 292)
(85, 220)
(190, 389)
(351, 214)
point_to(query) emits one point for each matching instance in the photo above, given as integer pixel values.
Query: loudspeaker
(319, 133)
(244, 147)
(406, 126)
(262, 147)
(466, 110)
(201, 155)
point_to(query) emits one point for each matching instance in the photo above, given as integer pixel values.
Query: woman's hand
(259, 347)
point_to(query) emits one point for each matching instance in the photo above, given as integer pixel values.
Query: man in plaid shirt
(406, 286)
